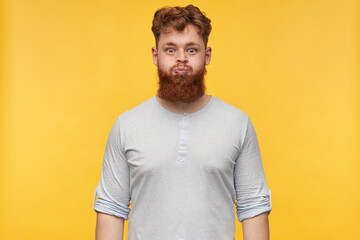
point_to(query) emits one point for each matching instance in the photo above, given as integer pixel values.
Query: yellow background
(69, 68)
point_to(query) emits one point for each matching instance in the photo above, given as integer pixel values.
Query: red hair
(177, 18)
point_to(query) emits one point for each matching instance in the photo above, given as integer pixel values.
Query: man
(182, 157)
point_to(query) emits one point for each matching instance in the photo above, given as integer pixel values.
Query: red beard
(181, 88)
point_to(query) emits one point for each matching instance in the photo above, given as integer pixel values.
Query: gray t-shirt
(182, 172)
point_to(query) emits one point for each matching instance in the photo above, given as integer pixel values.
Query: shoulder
(140, 112)
(231, 112)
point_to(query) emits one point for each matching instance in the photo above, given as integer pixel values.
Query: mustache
(181, 66)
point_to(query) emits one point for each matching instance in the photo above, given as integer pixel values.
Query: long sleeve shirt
(183, 173)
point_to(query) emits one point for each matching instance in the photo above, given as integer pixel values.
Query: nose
(181, 57)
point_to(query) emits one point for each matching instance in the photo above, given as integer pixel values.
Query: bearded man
(183, 157)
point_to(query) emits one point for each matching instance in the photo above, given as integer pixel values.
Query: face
(181, 50)
(181, 58)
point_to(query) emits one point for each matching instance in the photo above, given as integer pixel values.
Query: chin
(182, 75)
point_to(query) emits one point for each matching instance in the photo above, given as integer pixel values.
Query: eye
(192, 50)
(170, 50)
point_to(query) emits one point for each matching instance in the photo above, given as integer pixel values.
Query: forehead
(189, 34)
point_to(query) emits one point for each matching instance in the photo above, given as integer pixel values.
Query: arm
(252, 193)
(112, 197)
(109, 227)
(256, 228)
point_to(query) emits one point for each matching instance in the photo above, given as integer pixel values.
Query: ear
(155, 55)
(207, 55)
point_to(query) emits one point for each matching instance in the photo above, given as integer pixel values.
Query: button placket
(182, 148)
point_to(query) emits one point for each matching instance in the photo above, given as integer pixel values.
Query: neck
(181, 107)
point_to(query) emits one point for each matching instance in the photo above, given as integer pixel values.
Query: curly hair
(177, 18)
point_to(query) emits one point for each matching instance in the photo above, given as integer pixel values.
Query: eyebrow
(187, 44)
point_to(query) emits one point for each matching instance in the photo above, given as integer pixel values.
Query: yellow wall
(69, 68)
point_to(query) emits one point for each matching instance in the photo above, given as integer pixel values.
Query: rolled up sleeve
(252, 193)
(112, 193)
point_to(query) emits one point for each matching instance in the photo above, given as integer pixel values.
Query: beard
(183, 88)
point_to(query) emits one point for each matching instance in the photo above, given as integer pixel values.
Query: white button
(184, 131)
(182, 147)
(186, 118)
